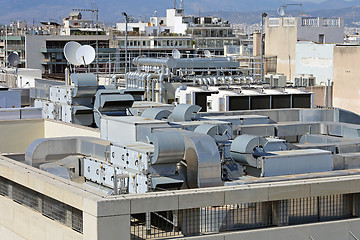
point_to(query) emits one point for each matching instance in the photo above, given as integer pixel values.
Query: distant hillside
(110, 10)
(351, 15)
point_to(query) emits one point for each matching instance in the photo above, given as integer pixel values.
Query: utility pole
(6, 45)
(126, 31)
(263, 16)
(96, 11)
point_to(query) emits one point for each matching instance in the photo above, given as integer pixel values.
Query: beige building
(281, 35)
(347, 77)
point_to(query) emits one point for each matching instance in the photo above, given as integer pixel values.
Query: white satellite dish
(207, 53)
(14, 59)
(281, 11)
(85, 54)
(70, 50)
(176, 54)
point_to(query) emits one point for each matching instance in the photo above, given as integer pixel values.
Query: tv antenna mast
(94, 10)
(293, 4)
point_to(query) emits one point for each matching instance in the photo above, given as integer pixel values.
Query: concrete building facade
(315, 59)
(346, 77)
(282, 34)
(45, 52)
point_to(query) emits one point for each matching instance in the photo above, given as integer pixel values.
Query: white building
(172, 23)
(75, 25)
(315, 59)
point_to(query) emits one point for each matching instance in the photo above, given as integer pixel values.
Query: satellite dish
(70, 50)
(85, 54)
(14, 59)
(176, 54)
(281, 11)
(207, 53)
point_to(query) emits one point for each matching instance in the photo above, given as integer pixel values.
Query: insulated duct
(46, 149)
(156, 113)
(184, 112)
(203, 161)
(168, 147)
(166, 62)
(85, 84)
(218, 132)
(243, 147)
(112, 103)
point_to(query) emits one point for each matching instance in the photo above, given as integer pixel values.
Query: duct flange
(243, 148)
(169, 147)
(184, 112)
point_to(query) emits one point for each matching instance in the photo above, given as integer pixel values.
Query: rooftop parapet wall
(104, 214)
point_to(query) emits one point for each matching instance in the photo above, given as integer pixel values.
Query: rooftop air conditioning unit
(278, 81)
(268, 78)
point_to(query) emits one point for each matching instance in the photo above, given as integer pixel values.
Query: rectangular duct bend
(44, 149)
(203, 161)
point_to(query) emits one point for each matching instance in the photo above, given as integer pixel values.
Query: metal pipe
(188, 62)
(328, 93)
(116, 76)
(143, 79)
(138, 80)
(126, 79)
(129, 79)
(263, 15)
(167, 62)
(161, 80)
(152, 90)
(148, 79)
(126, 38)
(231, 80)
(132, 80)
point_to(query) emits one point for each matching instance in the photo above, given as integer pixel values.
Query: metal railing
(235, 217)
(48, 207)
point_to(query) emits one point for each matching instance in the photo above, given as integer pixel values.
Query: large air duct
(47, 149)
(203, 161)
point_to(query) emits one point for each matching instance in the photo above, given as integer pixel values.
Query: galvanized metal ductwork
(187, 62)
(169, 147)
(85, 84)
(243, 148)
(203, 161)
(156, 113)
(184, 112)
(166, 62)
(112, 103)
(46, 149)
(218, 132)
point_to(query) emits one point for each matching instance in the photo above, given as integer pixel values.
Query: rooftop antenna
(94, 10)
(70, 50)
(174, 4)
(281, 11)
(207, 53)
(85, 55)
(293, 4)
(182, 4)
(14, 59)
(176, 54)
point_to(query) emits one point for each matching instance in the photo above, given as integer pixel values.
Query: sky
(110, 10)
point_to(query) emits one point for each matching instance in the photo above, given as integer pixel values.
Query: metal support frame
(263, 16)
(126, 38)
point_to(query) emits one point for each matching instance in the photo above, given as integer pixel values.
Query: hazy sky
(110, 10)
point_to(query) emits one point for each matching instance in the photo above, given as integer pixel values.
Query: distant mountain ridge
(110, 10)
(351, 15)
